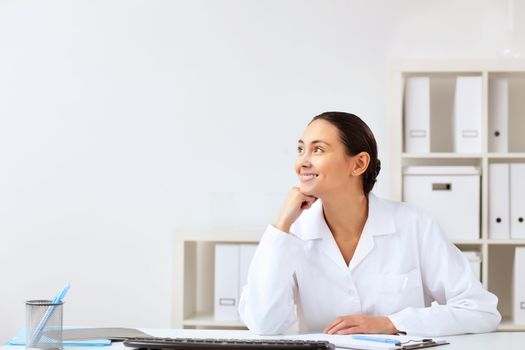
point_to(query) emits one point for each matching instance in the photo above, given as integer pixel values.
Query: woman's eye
(299, 150)
(318, 149)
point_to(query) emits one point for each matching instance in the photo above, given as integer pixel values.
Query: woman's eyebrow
(314, 141)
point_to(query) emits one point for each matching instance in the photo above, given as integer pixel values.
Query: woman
(343, 261)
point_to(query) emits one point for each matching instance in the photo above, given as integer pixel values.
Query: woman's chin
(308, 190)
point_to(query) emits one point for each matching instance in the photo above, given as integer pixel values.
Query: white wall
(123, 120)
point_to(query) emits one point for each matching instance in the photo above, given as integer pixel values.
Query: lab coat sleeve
(267, 301)
(461, 304)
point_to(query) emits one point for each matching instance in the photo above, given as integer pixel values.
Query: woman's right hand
(292, 209)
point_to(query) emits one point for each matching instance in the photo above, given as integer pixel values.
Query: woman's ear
(361, 162)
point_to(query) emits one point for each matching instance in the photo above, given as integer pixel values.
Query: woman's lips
(308, 177)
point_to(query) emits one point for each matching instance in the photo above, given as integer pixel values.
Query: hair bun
(377, 168)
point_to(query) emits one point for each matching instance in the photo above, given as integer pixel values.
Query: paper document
(347, 342)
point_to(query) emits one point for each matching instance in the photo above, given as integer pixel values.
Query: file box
(450, 194)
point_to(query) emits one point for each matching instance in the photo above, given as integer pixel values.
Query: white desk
(486, 341)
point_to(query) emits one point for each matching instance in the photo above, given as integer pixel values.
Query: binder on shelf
(232, 262)
(517, 201)
(417, 115)
(499, 201)
(498, 115)
(226, 298)
(467, 114)
(518, 290)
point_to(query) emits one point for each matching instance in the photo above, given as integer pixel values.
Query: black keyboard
(237, 344)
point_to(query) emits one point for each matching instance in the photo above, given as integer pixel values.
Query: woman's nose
(305, 163)
(304, 159)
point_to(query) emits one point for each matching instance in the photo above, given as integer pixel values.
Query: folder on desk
(417, 115)
(83, 336)
(467, 114)
(20, 339)
(499, 201)
(112, 333)
(498, 115)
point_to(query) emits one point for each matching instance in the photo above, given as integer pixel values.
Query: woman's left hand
(361, 324)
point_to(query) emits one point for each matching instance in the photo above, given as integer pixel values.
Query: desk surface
(485, 341)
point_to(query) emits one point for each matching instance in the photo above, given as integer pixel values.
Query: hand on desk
(361, 324)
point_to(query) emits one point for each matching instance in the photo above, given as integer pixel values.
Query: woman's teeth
(308, 177)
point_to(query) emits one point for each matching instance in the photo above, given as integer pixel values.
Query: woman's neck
(346, 214)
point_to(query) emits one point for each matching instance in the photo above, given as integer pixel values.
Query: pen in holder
(44, 324)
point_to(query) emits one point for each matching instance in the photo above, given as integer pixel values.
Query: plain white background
(121, 121)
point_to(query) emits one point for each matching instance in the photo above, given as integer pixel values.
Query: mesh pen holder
(43, 324)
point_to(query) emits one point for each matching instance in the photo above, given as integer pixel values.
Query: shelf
(441, 155)
(220, 235)
(510, 155)
(497, 254)
(506, 241)
(467, 241)
(440, 66)
(205, 319)
(507, 325)
(194, 273)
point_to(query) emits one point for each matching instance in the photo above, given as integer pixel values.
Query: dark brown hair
(357, 137)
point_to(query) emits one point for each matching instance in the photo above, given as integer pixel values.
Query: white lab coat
(403, 268)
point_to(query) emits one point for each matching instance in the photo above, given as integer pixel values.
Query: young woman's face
(322, 164)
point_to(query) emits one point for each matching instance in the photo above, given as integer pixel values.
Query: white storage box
(451, 194)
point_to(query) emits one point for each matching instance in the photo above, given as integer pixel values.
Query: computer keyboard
(236, 344)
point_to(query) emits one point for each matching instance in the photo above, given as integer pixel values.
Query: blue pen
(377, 339)
(40, 328)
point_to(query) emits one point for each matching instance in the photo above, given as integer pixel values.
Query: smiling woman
(351, 140)
(341, 260)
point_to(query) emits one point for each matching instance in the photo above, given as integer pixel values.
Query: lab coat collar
(380, 216)
(312, 224)
(380, 221)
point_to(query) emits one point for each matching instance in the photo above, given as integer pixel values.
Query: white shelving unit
(193, 281)
(497, 255)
